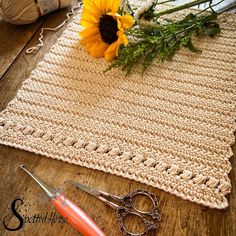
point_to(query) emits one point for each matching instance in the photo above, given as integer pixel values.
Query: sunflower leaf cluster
(160, 41)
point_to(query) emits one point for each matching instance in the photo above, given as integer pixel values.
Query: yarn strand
(35, 49)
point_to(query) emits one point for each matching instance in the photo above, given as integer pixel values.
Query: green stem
(210, 7)
(182, 7)
(164, 2)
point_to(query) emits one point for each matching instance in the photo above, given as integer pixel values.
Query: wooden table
(179, 217)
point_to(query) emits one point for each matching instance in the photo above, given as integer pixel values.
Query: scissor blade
(85, 188)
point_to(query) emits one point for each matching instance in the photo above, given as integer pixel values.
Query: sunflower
(104, 28)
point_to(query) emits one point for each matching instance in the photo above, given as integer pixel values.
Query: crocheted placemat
(170, 129)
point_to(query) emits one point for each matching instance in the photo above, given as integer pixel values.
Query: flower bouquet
(127, 36)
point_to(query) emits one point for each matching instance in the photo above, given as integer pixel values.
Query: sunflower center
(108, 28)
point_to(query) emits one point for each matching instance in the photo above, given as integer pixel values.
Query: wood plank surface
(179, 217)
(13, 40)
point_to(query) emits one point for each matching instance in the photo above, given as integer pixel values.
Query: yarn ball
(22, 12)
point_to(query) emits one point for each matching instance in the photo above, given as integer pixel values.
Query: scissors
(127, 207)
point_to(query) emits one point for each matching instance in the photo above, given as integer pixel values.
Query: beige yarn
(171, 129)
(26, 11)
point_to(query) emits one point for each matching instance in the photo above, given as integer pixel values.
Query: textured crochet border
(220, 185)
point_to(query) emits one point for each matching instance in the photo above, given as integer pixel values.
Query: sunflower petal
(127, 21)
(102, 5)
(125, 39)
(90, 39)
(119, 25)
(85, 2)
(95, 14)
(89, 32)
(88, 46)
(86, 24)
(91, 6)
(89, 18)
(98, 49)
(122, 38)
(114, 5)
(110, 53)
(106, 5)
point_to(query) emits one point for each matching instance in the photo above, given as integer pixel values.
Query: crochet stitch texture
(171, 129)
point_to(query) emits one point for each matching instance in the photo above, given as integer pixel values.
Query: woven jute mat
(172, 128)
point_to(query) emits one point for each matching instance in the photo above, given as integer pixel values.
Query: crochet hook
(69, 210)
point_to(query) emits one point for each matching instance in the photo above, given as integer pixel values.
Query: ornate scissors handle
(129, 209)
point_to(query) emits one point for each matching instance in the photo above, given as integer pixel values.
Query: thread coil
(28, 11)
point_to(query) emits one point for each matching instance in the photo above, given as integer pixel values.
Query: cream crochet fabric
(171, 129)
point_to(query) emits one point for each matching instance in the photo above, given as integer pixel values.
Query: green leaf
(189, 17)
(209, 29)
(211, 17)
(187, 42)
(162, 44)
